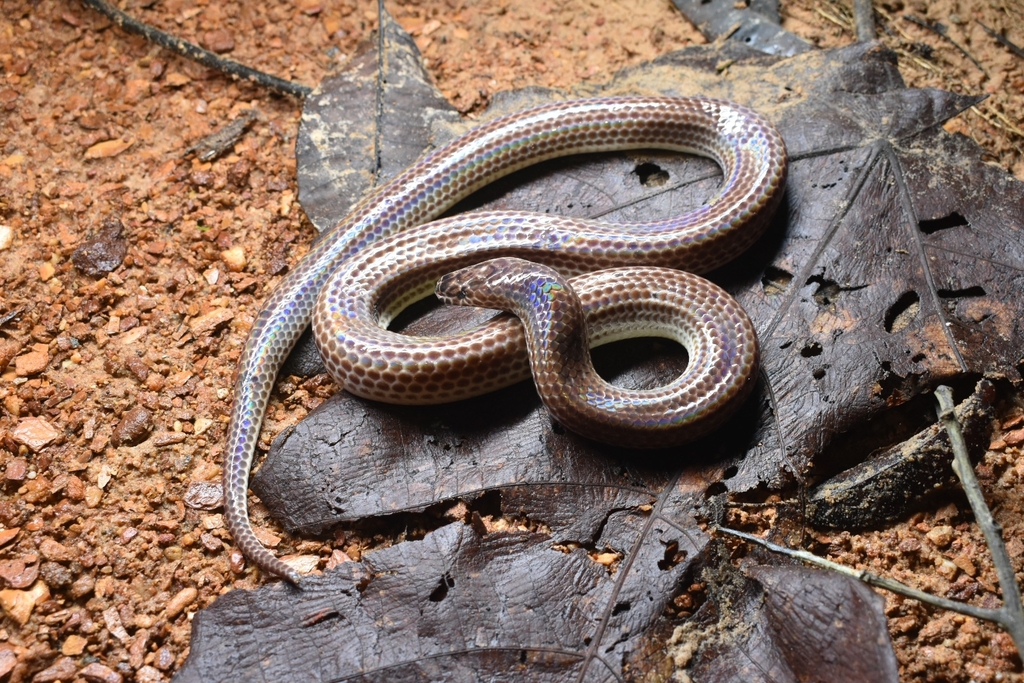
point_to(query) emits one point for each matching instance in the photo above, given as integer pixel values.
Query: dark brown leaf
(452, 606)
(798, 625)
(364, 125)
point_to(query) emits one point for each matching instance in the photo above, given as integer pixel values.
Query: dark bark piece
(793, 624)
(886, 486)
(756, 26)
(215, 144)
(102, 252)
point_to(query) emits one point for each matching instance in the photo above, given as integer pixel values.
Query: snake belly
(746, 146)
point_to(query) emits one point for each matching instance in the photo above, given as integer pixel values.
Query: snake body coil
(374, 277)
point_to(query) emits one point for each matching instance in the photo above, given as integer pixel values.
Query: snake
(391, 238)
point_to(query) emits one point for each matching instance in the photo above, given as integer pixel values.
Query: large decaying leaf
(887, 270)
(794, 625)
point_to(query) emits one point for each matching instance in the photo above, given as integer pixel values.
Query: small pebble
(7, 535)
(178, 604)
(33, 362)
(93, 496)
(133, 427)
(16, 470)
(164, 659)
(208, 323)
(103, 252)
(18, 605)
(107, 149)
(8, 659)
(267, 538)
(204, 495)
(20, 572)
(97, 673)
(303, 564)
(202, 424)
(1013, 423)
(940, 536)
(63, 669)
(148, 674)
(965, 564)
(82, 586)
(211, 542)
(219, 41)
(234, 259)
(176, 80)
(211, 522)
(1014, 438)
(337, 557)
(56, 552)
(113, 621)
(73, 646)
(6, 237)
(947, 569)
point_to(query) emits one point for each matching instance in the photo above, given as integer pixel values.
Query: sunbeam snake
(385, 254)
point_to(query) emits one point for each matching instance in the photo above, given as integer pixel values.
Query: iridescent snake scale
(385, 254)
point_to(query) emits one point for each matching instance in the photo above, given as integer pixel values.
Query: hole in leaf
(918, 357)
(827, 292)
(953, 220)
(811, 350)
(650, 174)
(730, 472)
(775, 280)
(620, 608)
(715, 489)
(964, 293)
(672, 557)
(441, 592)
(903, 312)
(819, 373)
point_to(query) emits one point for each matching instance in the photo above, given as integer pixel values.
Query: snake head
(491, 284)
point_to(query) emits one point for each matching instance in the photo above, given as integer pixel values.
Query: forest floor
(115, 389)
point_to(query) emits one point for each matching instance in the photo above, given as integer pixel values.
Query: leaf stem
(1012, 612)
(1010, 617)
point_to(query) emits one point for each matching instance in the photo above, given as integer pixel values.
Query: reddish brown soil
(102, 563)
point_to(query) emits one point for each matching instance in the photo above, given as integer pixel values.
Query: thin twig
(196, 53)
(995, 124)
(1004, 41)
(864, 20)
(838, 21)
(917, 60)
(1012, 609)
(869, 578)
(1010, 617)
(940, 30)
